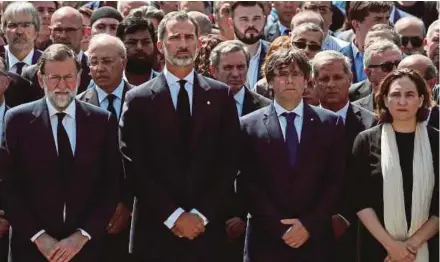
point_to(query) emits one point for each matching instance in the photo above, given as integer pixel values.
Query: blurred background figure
(105, 20)
(201, 62)
(86, 14)
(124, 7)
(412, 32)
(45, 10)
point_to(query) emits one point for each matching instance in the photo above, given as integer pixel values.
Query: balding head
(203, 21)
(66, 27)
(307, 17)
(100, 41)
(412, 32)
(423, 65)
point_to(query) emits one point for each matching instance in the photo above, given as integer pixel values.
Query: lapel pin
(311, 119)
(208, 102)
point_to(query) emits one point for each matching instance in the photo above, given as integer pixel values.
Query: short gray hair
(378, 29)
(307, 17)
(433, 27)
(307, 27)
(19, 8)
(203, 22)
(227, 47)
(411, 19)
(327, 56)
(58, 53)
(379, 47)
(107, 39)
(175, 16)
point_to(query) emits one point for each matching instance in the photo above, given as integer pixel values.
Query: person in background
(384, 32)
(198, 6)
(412, 32)
(307, 17)
(431, 43)
(105, 20)
(203, 21)
(125, 7)
(86, 14)
(393, 175)
(308, 37)
(168, 6)
(201, 62)
(285, 10)
(223, 20)
(45, 10)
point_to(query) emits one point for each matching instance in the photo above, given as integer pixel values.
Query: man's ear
(40, 79)
(212, 70)
(355, 25)
(159, 45)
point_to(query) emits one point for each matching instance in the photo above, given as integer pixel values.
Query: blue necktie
(291, 137)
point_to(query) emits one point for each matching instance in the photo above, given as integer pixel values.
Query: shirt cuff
(343, 218)
(84, 233)
(37, 235)
(195, 211)
(171, 220)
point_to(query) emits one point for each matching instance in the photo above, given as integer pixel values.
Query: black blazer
(365, 178)
(253, 101)
(30, 73)
(366, 103)
(434, 117)
(35, 57)
(19, 91)
(264, 47)
(32, 190)
(154, 155)
(274, 190)
(359, 90)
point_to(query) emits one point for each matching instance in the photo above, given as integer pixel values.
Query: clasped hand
(60, 251)
(296, 235)
(401, 252)
(188, 225)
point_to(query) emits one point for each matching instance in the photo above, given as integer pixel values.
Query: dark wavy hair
(202, 62)
(384, 88)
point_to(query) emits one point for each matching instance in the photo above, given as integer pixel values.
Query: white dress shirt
(12, 60)
(298, 110)
(2, 116)
(117, 102)
(239, 101)
(343, 112)
(174, 86)
(69, 124)
(254, 67)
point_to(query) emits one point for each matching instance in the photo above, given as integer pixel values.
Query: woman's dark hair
(384, 88)
(202, 62)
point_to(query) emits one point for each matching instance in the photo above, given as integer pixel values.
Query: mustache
(19, 38)
(251, 28)
(182, 50)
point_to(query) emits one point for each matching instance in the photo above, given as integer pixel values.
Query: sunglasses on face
(387, 66)
(415, 41)
(303, 45)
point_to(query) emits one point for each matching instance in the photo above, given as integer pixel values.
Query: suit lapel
(308, 138)
(200, 107)
(272, 123)
(249, 103)
(82, 132)
(353, 124)
(85, 74)
(127, 87)
(262, 58)
(91, 96)
(36, 56)
(43, 128)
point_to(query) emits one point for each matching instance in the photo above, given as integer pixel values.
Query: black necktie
(287, 32)
(110, 107)
(20, 66)
(183, 111)
(64, 149)
(291, 137)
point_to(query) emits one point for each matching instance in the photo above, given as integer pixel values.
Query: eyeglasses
(303, 45)
(318, 8)
(415, 41)
(387, 66)
(24, 25)
(106, 61)
(60, 30)
(54, 80)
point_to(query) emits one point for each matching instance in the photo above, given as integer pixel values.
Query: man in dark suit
(359, 90)
(20, 51)
(285, 10)
(251, 34)
(229, 61)
(332, 78)
(61, 184)
(137, 33)
(66, 28)
(108, 92)
(380, 59)
(293, 168)
(179, 138)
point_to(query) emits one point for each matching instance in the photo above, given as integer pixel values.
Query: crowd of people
(296, 131)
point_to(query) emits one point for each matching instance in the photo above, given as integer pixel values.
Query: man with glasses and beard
(60, 187)
(248, 19)
(139, 39)
(380, 58)
(180, 138)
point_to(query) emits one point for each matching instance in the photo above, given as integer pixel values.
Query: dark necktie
(20, 66)
(110, 107)
(183, 109)
(291, 137)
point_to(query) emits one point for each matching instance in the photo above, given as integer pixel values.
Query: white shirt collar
(298, 110)
(172, 79)
(343, 111)
(117, 92)
(79, 56)
(257, 54)
(239, 96)
(12, 59)
(70, 110)
(2, 112)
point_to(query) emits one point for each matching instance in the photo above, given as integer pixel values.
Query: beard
(139, 66)
(178, 61)
(61, 102)
(250, 38)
